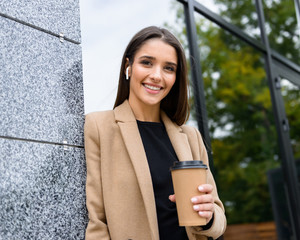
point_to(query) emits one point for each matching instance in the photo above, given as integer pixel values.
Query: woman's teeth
(152, 87)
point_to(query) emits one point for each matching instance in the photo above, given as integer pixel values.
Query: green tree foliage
(280, 18)
(241, 122)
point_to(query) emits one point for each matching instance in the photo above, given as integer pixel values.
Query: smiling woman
(129, 149)
(156, 58)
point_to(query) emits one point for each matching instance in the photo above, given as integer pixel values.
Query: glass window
(291, 95)
(240, 13)
(282, 29)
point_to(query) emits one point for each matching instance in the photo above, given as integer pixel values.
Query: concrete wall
(42, 165)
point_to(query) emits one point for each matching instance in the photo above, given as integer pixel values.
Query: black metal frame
(276, 66)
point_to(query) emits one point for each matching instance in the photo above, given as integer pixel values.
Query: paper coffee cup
(186, 177)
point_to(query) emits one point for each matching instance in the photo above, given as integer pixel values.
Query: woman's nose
(156, 74)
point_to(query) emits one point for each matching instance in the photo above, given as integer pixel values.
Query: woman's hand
(203, 204)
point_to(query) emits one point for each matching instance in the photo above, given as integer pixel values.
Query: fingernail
(196, 207)
(194, 200)
(200, 188)
(201, 213)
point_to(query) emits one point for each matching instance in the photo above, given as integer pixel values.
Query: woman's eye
(170, 68)
(145, 62)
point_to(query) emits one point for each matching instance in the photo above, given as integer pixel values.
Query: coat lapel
(130, 133)
(178, 139)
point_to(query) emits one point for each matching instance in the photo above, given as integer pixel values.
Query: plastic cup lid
(188, 164)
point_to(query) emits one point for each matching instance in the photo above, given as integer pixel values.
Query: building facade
(42, 165)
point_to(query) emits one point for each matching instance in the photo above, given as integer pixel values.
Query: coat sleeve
(219, 223)
(97, 227)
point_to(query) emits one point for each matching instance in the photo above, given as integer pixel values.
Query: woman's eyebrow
(146, 56)
(153, 58)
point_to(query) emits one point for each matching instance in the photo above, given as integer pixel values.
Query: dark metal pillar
(197, 80)
(288, 162)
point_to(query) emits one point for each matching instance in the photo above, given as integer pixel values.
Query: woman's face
(153, 73)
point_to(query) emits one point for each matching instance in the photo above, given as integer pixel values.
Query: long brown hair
(175, 104)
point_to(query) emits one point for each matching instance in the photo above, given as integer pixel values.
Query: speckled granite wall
(42, 165)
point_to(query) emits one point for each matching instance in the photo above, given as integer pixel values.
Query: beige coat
(120, 198)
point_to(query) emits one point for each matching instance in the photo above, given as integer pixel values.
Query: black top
(161, 155)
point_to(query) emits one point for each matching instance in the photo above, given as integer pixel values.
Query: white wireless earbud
(127, 74)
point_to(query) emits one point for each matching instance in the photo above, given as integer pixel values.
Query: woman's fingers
(203, 207)
(204, 210)
(206, 214)
(172, 198)
(205, 188)
(205, 198)
(204, 204)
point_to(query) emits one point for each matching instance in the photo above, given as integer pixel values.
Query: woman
(130, 149)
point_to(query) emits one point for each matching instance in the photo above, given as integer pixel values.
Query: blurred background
(241, 124)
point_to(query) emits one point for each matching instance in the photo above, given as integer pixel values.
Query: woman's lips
(151, 88)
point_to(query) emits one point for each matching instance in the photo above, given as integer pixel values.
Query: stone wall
(42, 165)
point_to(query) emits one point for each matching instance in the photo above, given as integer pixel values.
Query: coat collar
(127, 122)
(179, 140)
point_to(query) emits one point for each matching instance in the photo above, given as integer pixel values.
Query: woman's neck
(146, 113)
